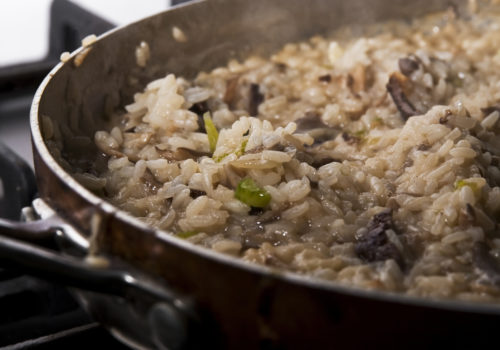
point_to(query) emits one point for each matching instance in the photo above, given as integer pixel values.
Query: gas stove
(36, 314)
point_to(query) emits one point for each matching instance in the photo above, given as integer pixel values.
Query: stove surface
(36, 314)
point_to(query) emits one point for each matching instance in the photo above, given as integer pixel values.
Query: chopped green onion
(461, 183)
(241, 151)
(221, 157)
(377, 122)
(251, 194)
(455, 80)
(186, 234)
(360, 134)
(212, 133)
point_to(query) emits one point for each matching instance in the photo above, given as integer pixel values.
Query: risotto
(371, 159)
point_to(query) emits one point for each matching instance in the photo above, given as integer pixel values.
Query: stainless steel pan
(160, 291)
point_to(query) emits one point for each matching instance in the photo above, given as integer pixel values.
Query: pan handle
(172, 319)
(39, 231)
(23, 246)
(41, 227)
(72, 272)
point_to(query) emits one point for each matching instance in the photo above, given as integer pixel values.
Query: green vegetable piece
(221, 157)
(461, 183)
(455, 80)
(212, 133)
(186, 234)
(241, 151)
(378, 121)
(360, 134)
(251, 194)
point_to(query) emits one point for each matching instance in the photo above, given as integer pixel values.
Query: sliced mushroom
(357, 79)
(423, 147)
(200, 108)
(315, 155)
(282, 67)
(316, 160)
(310, 120)
(291, 141)
(444, 119)
(256, 211)
(194, 153)
(375, 244)
(407, 65)
(151, 184)
(327, 78)
(395, 89)
(488, 110)
(169, 155)
(180, 154)
(467, 216)
(255, 99)
(196, 193)
(323, 135)
(312, 124)
(230, 93)
(350, 139)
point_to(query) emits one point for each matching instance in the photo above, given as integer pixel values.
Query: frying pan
(153, 290)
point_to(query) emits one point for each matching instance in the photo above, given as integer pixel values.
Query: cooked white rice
(380, 155)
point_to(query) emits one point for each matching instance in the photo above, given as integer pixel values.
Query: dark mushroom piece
(312, 124)
(407, 65)
(444, 119)
(423, 147)
(315, 157)
(375, 245)
(151, 184)
(485, 262)
(256, 211)
(310, 120)
(467, 216)
(319, 160)
(395, 89)
(180, 154)
(196, 193)
(186, 153)
(327, 78)
(230, 93)
(357, 79)
(282, 67)
(350, 139)
(200, 108)
(255, 99)
(488, 110)
(171, 156)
